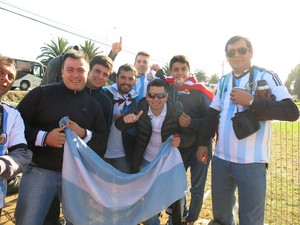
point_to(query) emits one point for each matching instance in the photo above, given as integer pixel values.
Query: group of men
(126, 122)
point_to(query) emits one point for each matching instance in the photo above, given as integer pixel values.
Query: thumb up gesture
(132, 118)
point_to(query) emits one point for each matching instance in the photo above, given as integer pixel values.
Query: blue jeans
(119, 163)
(198, 173)
(37, 189)
(250, 180)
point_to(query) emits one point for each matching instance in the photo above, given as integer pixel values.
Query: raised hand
(132, 118)
(116, 47)
(155, 67)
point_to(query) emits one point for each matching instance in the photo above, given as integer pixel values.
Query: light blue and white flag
(94, 192)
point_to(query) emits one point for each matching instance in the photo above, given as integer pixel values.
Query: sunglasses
(158, 95)
(242, 51)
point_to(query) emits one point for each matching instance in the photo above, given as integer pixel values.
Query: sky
(198, 29)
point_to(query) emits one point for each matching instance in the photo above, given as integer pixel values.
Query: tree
(293, 81)
(201, 75)
(166, 69)
(54, 49)
(214, 79)
(90, 49)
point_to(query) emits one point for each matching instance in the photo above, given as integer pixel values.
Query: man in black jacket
(41, 109)
(156, 119)
(195, 99)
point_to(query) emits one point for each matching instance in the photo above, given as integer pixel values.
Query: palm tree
(90, 49)
(54, 49)
(166, 69)
(201, 75)
(214, 79)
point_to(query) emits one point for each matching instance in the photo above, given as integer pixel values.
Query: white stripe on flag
(96, 193)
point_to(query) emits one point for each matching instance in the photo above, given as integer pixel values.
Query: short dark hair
(157, 83)
(127, 67)
(181, 59)
(143, 53)
(75, 54)
(235, 39)
(102, 60)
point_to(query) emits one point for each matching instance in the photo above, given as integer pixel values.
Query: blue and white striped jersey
(255, 148)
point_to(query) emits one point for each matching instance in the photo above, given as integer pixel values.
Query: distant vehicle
(30, 74)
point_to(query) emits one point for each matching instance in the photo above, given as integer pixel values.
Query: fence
(283, 189)
(283, 178)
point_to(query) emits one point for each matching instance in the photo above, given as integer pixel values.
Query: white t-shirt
(155, 139)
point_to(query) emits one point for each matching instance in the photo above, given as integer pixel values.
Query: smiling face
(239, 62)
(125, 81)
(7, 76)
(74, 73)
(180, 72)
(156, 104)
(98, 76)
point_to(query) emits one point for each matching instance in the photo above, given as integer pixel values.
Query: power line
(67, 29)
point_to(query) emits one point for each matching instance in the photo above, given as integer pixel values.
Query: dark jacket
(144, 129)
(106, 101)
(195, 99)
(43, 107)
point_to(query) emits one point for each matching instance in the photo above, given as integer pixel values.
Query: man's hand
(155, 67)
(116, 47)
(202, 154)
(81, 132)
(56, 138)
(240, 96)
(176, 141)
(184, 120)
(132, 118)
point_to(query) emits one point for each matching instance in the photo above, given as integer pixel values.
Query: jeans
(250, 180)
(37, 190)
(198, 173)
(119, 163)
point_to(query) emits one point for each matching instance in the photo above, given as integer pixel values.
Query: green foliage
(201, 75)
(293, 81)
(166, 69)
(60, 46)
(90, 48)
(214, 79)
(54, 49)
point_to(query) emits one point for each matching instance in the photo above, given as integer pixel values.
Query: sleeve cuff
(40, 138)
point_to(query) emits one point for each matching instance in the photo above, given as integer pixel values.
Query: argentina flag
(94, 192)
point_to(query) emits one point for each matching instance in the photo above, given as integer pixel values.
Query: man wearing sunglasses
(156, 118)
(241, 163)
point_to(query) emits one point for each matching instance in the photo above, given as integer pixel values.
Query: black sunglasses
(242, 50)
(158, 95)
